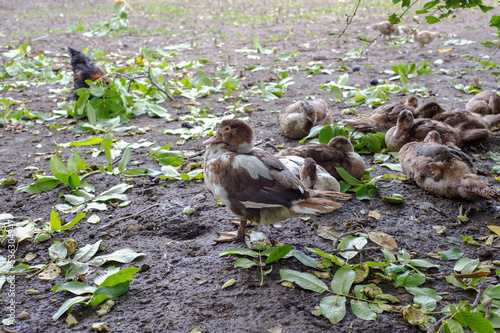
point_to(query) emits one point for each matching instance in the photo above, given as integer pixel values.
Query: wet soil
(179, 286)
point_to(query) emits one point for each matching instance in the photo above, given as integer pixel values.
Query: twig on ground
(270, 145)
(127, 217)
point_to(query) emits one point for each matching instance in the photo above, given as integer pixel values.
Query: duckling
(313, 176)
(339, 152)
(386, 28)
(423, 37)
(408, 129)
(384, 117)
(298, 118)
(254, 184)
(486, 102)
(444, 170)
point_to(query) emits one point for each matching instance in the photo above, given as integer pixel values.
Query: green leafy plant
(113, 286)
(363, 143)
(71, 174)
(272, 90)
(408, 71)
(118, 22)
(366, 188)
(496, 159)
(466, 89)
(258, 246)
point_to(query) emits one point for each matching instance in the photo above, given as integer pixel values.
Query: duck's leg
(241, 231)
(234, 236)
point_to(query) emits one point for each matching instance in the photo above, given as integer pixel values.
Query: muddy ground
(179, 287)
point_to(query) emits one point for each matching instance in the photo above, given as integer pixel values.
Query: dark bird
(298, 118)
(339, 152)
(444, 170)
(385, 116)
(84, 68)
(254, 184)
(409, 129)
(486, 102)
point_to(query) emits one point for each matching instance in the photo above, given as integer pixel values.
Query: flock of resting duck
(263, 188)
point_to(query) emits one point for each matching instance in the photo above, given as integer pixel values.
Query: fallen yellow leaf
(495, 229)
(382, 239)
(445, 50)
(375, 214)
(50, 273)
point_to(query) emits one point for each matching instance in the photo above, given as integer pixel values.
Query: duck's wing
(259, 180)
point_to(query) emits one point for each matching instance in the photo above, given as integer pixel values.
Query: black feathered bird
(84, 68)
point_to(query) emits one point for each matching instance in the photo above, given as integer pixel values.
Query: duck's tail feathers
(475, 188)
(330, 195)
(315, 205)
(492, 120)
(485, 193)
(472, 136)
(361, 124)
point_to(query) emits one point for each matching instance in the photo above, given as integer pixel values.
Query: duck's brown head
(405, 121)
(429, 110)
(412, 101)
(237, 134)
(433, 136)
(309, 111)
(308, 172)
(341, 143)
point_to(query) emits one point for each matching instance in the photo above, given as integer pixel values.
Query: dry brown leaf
(50, 273)
(495, 229)
(25, 232)
(472, 275)
(375, 214)
(71, 320)
(435, 254)
(326, 232)
(382, 239)
(275, 329)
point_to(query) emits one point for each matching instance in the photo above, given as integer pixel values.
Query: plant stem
(261, 270)
(42, 269)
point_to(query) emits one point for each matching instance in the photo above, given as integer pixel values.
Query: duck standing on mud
(254, 184)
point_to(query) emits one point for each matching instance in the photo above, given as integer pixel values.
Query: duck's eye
(226, 129)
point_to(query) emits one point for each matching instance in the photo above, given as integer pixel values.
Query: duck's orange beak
(399, 131)
(215, 139)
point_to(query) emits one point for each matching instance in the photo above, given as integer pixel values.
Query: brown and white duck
(424, 37)
(385, 116)
(313, 176)
(339, 152)
(409, 129)
(254, 184)
(298, 118)
(486, 102)
(386, 28)
(443, 170)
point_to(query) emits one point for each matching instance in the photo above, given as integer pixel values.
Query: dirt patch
(179, 286)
